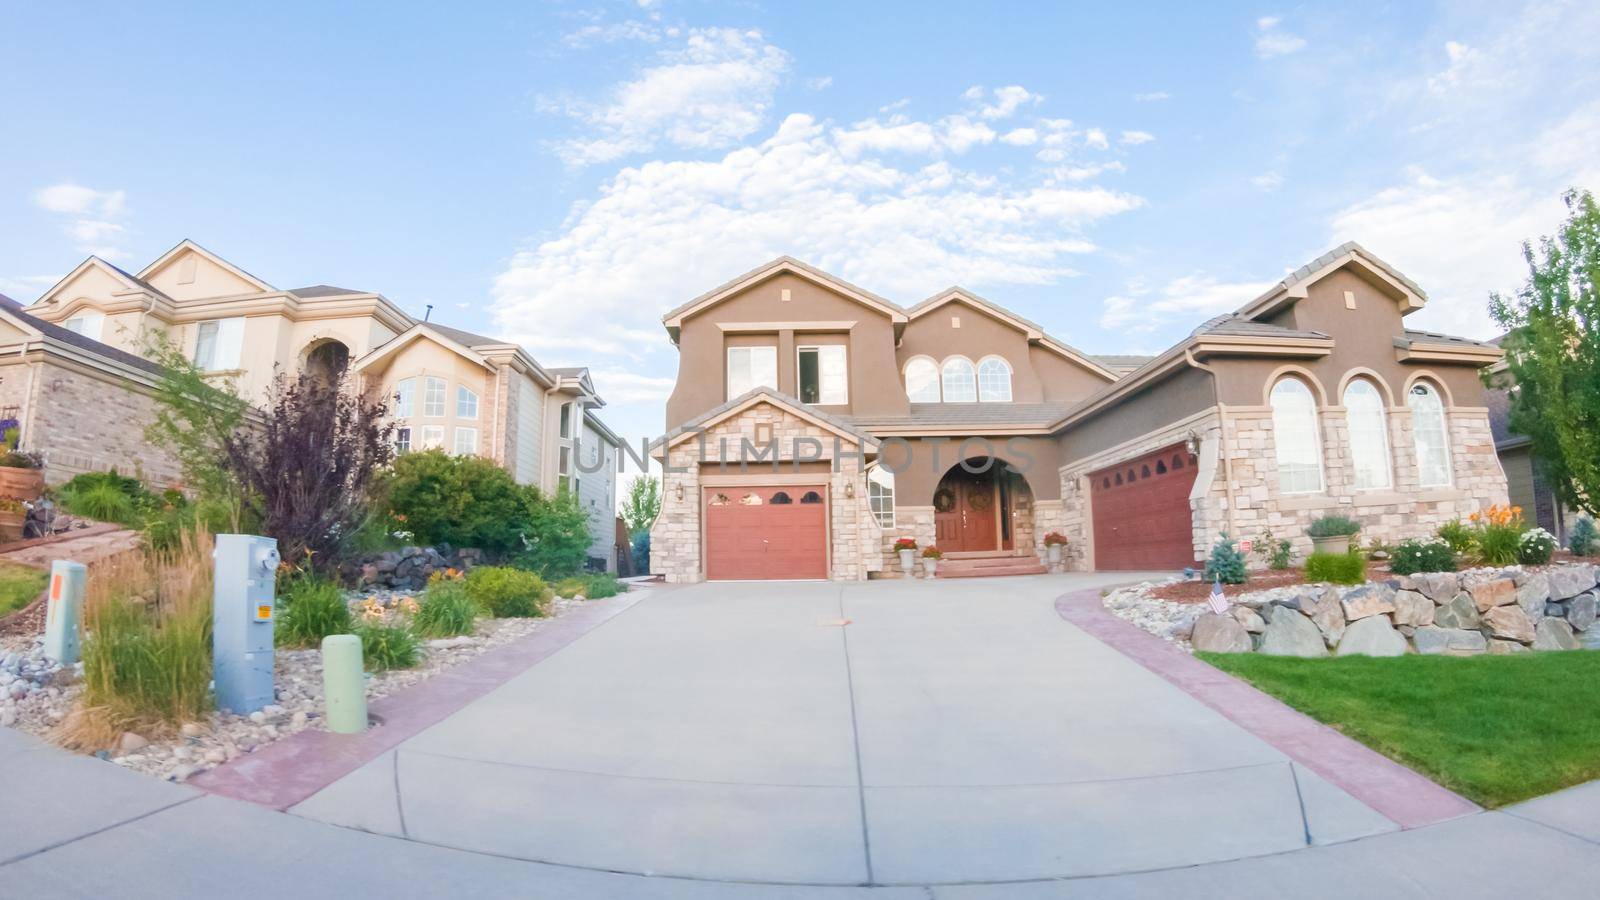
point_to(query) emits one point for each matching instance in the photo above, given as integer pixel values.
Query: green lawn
(1497, 729)
(19, 585)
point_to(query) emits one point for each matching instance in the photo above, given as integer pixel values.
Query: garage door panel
(1141, 513)
(750, 536)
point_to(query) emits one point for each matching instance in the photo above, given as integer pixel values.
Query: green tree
(643, 503)
(196, 416)
(1553, 353)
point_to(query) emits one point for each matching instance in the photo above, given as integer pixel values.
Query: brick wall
(90, 423)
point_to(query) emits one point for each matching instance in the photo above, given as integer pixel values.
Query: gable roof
(783, 264)
(1034, 332)
(187, 245)
(13, 310)
(132, 282)
(739, 404)
(1406, 292)
(968, 417)
(322, 290)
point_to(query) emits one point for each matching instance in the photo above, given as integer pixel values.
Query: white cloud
(600, 285)
(1085, 172)
(625, 386)
(1152, 97)
(95, 220)
(1135, 138)
(1272, 40)
(1096, 139)
(820, 83)
(709, 92)
(1020, 137)
(1268, 181)
(1464, 62)
(902, 134)
(1187, 301)
(1002, 103)
(631, 30)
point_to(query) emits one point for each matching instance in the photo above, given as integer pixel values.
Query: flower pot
(21, 484)
(1333, 543)
(929, 566)
(1052, 552)
(908, 561)
(11, 525)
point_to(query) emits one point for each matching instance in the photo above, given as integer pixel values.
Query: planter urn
(930, 566)
(1052, 552)
(21, 484)
(1333, 543)
(908, 562)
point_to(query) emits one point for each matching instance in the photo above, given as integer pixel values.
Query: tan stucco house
(73, 372)
(814, 422)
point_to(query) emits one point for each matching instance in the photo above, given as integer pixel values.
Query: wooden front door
(1142, 519)
(966, 510)
(766, 532)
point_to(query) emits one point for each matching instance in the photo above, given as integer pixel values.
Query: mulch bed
(1198, 591)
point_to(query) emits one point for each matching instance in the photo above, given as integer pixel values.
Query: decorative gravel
(36, 695)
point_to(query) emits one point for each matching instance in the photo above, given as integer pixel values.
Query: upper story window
(960, 380)
(405, 398)
(218, 344)
(1369, 439)
(1431, 437)
(922, 380)
(466, 441)
(89, 324)
(466, 402)
(824, 378)
(433, 437)
(750, 368)
(433, 396)
(994, 380)
(1294, 428)
(566, 420)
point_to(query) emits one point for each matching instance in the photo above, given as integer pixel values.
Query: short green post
(63, 606)
(344, 690)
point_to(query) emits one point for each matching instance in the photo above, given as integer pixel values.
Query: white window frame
(432, 437)
(402, 439)
(470, 433)
(405, 398)
(839, 397)
(1378, 422)
(433, 400)
(933, 364)
(466, 403)
(880, 495)
(1278, 432)
(944, 379)
(1429, 389)
(565, 416)
(90, 324)
(225, 346)
(766, 350)
(1006, 366)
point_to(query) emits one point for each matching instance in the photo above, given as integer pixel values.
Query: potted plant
(13, 517)
(21, 474)
(1053, 542)
(906, 548)
(930, 560)
(1333, 534)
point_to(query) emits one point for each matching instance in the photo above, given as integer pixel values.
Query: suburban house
(74, 372)
(814, 422)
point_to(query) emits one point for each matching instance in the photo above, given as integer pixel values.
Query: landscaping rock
(1554, 634)
(1493, 592)
(1590, 637)
(1570, 581)
(1368, 600)
(1459, 612)
(1509, 622)
(1412, 608)
(1532, 594)
(132, 742)
(1432, 640)
(1250, 619)
(1220, 634)
(1373, 636)
(1582, 609)
(1328, 615)
(1440, 587)
(1500, 648)
(1292, 634)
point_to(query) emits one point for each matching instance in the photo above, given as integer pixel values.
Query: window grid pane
(205, 346)
(922, 381)
(402, 440)
(1428, 431)
(466, 441)
(433, 397)
(405, 394)
(466, 402)
(835, 380)
(750, 368)
(994, 381)
(433, 437)
(960, 382)
(1369, 442)
(1294, 426)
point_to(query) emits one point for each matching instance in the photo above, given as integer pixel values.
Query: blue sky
(564, 173)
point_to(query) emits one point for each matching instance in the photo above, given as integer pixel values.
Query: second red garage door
(1141, 512)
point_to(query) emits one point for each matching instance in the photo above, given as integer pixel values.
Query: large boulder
(1219, 634)
(1493, 592)
(1292, 634)
(1433, 640)
(1372, 636)
(1500, 648)
(1581, 610)
(1368, 600)
(1509, 622)
(1412, 608)
(1533, 588)
(1570, 581)
(1554, 634)
(1440, 587)
(1327, 614)
(1459, 612)
(1249, 618)
(1590, 637)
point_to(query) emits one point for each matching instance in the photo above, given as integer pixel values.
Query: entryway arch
(982, 504)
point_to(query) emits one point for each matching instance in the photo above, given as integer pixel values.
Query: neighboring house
(1524, 480)
(959, 423)
(447, 388)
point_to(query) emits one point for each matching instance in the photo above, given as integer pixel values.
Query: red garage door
(1141, 512)
(775, 532)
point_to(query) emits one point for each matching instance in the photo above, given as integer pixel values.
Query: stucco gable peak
(673, 320)
(186, 247)
(1396, 284)
(765, 395)
(131, 283)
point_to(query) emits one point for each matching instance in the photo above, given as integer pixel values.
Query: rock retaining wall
(406, 569)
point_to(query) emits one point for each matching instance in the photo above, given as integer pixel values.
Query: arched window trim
(1279, 435)
(944, 378)
(938, 379)
(1432, 390)
(1356, 411)
(1005, 365)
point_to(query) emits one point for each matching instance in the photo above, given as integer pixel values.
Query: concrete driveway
(951, 732)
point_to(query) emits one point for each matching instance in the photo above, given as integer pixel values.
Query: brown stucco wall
(1185, 393)
(921, 462)
(1037, 374)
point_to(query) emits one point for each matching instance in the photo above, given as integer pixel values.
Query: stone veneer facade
(84, 421)
(1236, 488)
(693, 463)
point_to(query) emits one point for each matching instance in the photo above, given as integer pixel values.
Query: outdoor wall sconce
(850, 490)
(679, 491)
(1192, 444)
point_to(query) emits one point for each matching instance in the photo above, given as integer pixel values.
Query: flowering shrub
(905, 544)
(1431, 555)
(1056, 539)
(1498, 534)
(1536, 547)
(1461, 537)
(932, 552)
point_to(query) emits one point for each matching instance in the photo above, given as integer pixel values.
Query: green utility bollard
(344, 691)
(62, 609)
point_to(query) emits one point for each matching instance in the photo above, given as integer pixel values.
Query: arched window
(750, 499)
(1294, 428)
(1428, 430)
(1161, 467)
(960, 381)
(994, 380)
(718, 500)
(466, 402)
(1144, 471)
(1369, 440)
(922, 380)
(780, 498)
(1177, 462)
(811, 497)
(880, 495)
(405, 394)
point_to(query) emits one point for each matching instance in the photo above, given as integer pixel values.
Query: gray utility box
(243, 605)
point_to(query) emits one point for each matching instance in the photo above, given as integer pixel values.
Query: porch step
(989, 554)
(964, 569)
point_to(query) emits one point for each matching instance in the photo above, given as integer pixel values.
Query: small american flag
(1219, 603)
